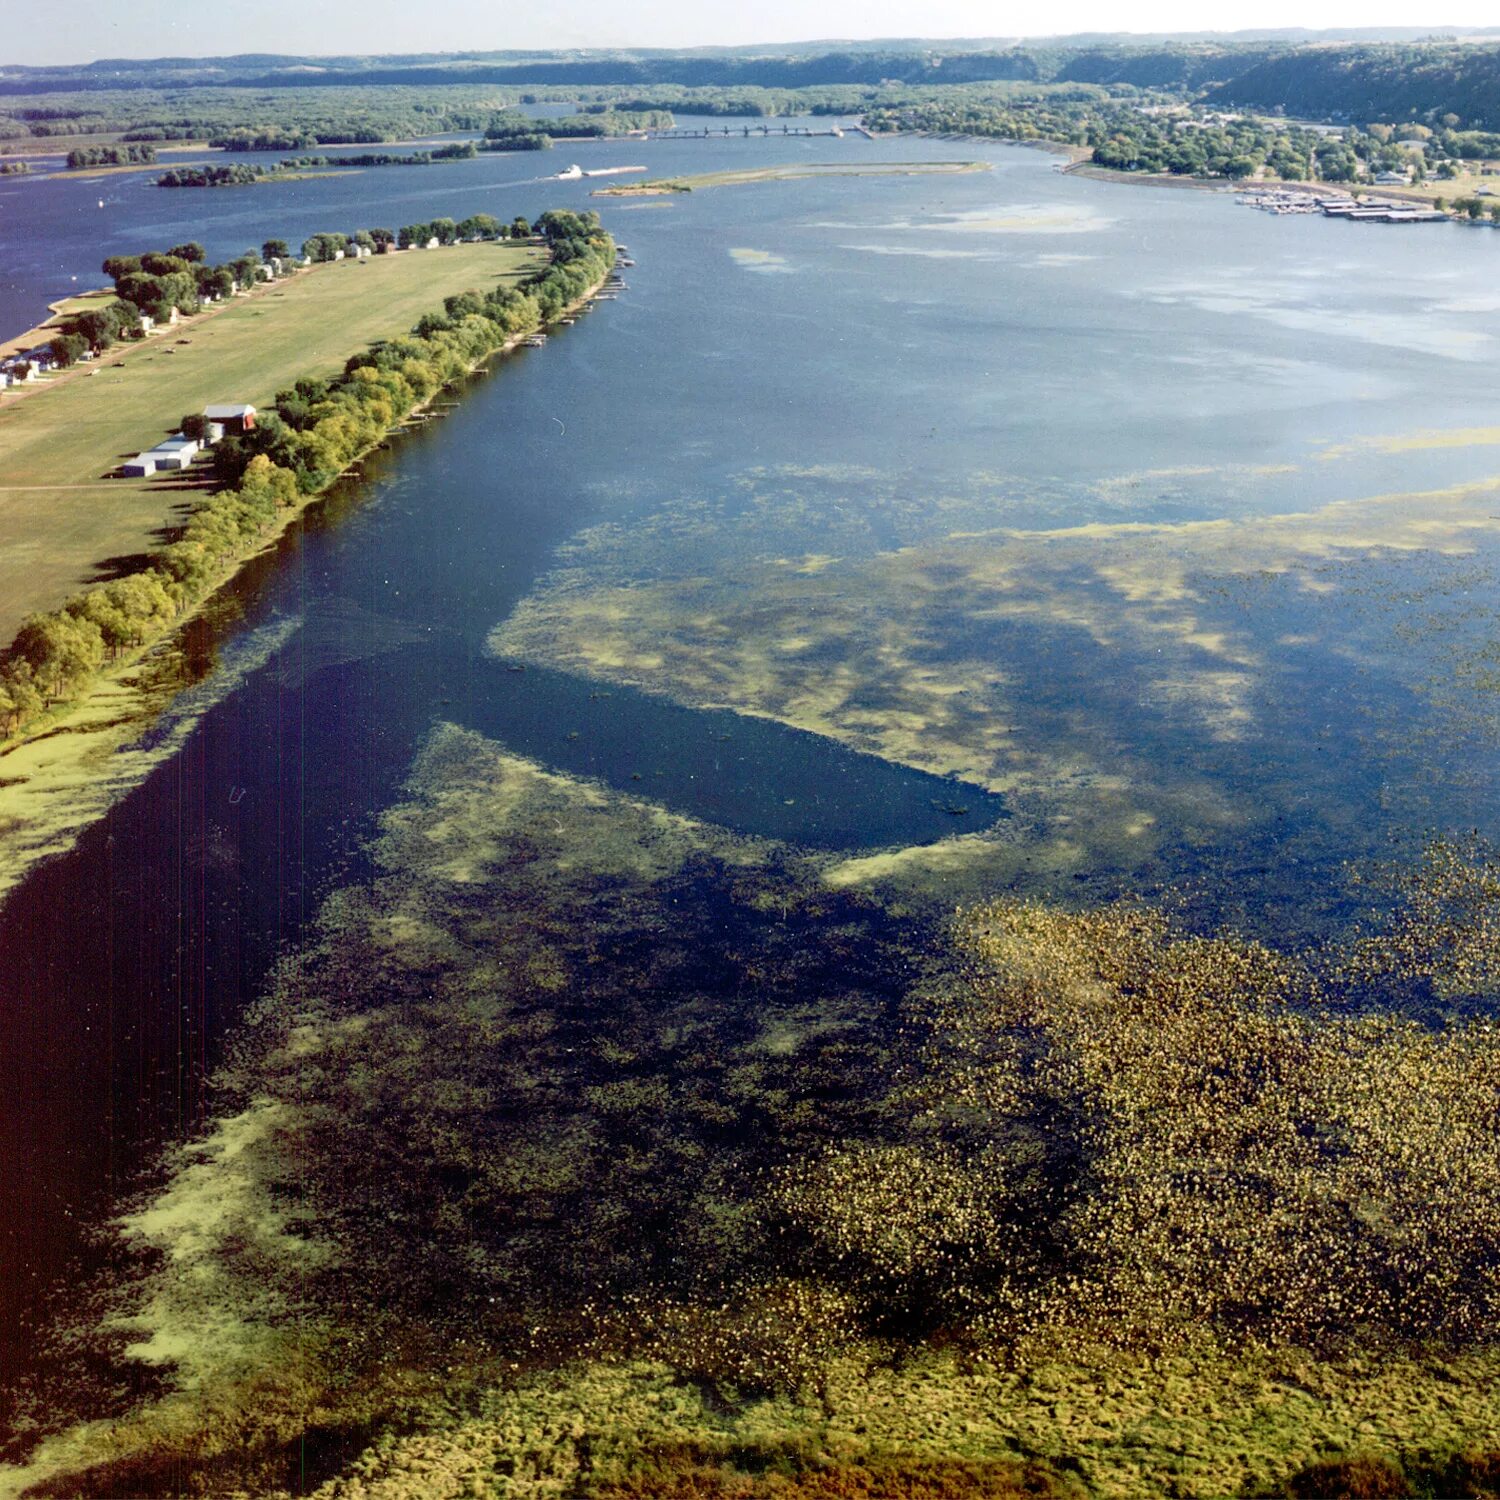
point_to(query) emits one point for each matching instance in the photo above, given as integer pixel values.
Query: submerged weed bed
(589, 1150)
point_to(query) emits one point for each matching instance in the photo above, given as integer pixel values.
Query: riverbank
(63, 769)
(62, 515)
(1085, 168)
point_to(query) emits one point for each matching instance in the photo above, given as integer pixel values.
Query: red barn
(236, 417)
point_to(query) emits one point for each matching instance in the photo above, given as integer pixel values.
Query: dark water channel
(128, 956)
(1074, 347)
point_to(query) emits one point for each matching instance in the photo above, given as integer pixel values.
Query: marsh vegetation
(587, 1139)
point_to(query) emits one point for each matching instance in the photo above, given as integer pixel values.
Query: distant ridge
(242, 64)
(1357, 73)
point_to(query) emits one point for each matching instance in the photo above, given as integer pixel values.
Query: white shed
(139, 467)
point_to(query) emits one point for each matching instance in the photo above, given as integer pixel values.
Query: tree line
(511, 131)
(153, 284)
(110, 156)
(239, 174)
(300, 119)
(312, 434)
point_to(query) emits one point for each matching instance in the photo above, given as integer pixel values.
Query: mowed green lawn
(62, 517)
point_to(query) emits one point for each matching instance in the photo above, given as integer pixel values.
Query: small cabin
(233, 417)
(433, 243)
(140, 467)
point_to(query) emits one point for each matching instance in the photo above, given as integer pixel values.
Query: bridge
(710, 132)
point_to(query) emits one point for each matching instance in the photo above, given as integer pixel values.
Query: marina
(1367, 210)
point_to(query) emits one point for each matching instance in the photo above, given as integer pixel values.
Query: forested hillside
(1374, 83)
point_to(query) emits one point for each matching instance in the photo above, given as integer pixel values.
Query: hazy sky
(62, 31)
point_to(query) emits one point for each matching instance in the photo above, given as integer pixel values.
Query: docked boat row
(1366, 210)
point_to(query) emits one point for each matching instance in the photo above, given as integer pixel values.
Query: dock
(1366, 210)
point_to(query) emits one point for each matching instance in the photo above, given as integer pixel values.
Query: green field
(61, 516)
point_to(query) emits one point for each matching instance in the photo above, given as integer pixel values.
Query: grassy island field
(61, 517)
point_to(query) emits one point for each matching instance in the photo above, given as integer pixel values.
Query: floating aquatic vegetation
(1144, 695)
(583, 1129)
(1255, 1163)
(55, 786)
(765, 261)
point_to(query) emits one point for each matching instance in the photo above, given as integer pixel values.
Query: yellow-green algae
(1187, 1424)
(870, 649)
(587, 1140)
(57, 783)
(908, 628)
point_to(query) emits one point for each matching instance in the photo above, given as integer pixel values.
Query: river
(1044, 354)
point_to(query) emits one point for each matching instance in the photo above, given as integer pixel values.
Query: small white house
(213, 432)
(433, 243)
(139, 467)
(148, 323)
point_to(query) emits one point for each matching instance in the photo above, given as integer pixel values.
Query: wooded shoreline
(45, 676)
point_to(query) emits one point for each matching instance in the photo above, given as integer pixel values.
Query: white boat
(571, 175)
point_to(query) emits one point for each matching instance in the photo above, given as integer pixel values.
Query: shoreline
(121, 349)
(63, 771)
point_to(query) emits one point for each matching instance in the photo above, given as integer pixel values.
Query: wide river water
(1042, 351)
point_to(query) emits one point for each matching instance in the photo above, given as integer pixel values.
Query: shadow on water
(752, 776)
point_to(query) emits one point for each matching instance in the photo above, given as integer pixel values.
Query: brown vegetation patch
(690, 1474)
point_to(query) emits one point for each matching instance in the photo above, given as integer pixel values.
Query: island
(328, 349)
